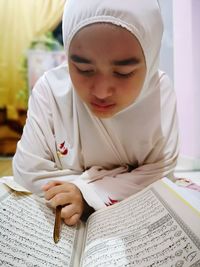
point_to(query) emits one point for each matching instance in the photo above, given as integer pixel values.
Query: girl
(103, 126)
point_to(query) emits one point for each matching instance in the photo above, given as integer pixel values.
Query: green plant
(46, 42)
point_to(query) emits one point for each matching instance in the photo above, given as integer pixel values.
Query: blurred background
(31, 43)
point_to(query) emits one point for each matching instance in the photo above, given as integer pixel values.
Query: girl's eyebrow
(127, 61)
(79, 59)
(123, 62)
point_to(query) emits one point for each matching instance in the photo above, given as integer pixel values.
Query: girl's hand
(67, 195)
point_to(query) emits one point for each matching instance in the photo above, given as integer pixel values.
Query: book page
(26, 234)
(141, 231)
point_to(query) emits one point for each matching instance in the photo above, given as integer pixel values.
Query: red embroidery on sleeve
(111, 202)
(62, 149)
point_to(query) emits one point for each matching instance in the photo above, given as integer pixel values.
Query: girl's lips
(102, 106)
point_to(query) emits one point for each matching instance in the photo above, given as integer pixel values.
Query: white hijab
(143, 136)
(135, 133)
(142, 18)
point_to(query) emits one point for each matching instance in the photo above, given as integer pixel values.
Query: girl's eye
(85, 72)
(124, 75)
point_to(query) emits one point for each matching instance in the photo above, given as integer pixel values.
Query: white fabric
(97, 152)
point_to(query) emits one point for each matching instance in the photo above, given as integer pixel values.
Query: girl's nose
(102, 87)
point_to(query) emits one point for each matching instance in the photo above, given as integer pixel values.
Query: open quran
(154, 227)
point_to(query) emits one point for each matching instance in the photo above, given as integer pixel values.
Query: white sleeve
(36, 161)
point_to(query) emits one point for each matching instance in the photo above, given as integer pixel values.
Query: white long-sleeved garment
(108, 159)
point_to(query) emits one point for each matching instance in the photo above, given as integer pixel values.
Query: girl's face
(107, 68)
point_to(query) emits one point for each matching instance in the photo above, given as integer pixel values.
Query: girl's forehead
(104, 27)
(106, 34)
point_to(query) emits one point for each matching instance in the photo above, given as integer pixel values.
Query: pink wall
(196, 70)
(186, 16)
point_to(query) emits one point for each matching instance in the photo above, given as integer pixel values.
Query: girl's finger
(51, 184)
(72, 220)
(55, 190)
(62, 199)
